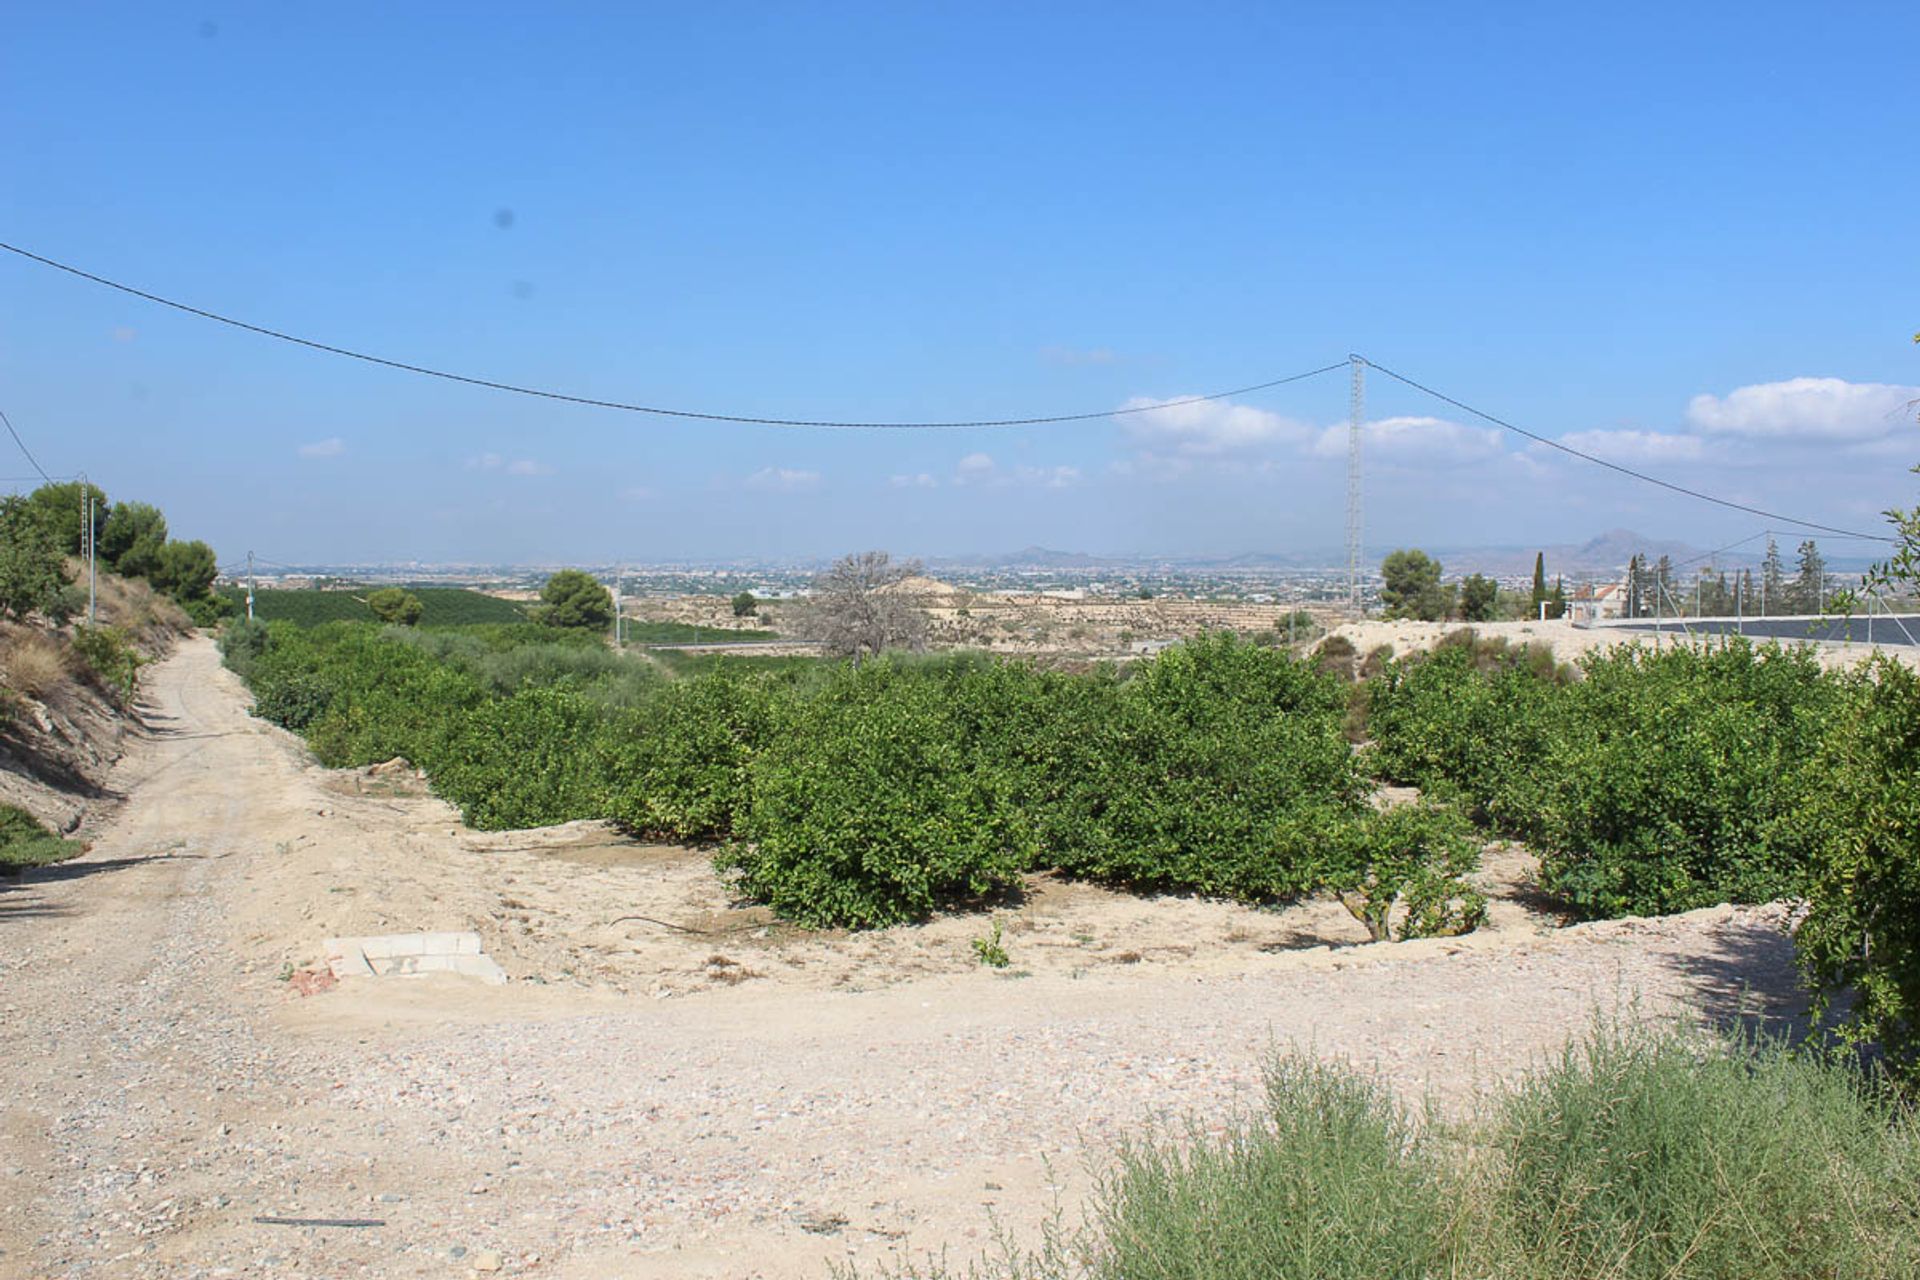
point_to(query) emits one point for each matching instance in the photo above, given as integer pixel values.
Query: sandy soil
(646, 1101)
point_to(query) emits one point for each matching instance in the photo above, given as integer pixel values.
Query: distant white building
(1597, 603)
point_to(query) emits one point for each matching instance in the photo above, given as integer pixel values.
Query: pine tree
(1714, 600)
(1773, 581)
(1663, 586)
(1809, 585)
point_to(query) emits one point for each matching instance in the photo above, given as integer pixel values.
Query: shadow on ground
(1748, 983)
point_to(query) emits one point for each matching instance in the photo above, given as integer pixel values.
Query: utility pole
(619, 588)
(1356, 406)
(87, 548)
(250, 586)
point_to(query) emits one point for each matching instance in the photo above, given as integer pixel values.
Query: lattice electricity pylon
(1356, 407)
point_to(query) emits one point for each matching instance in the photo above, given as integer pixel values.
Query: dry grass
(32, 663)
(136, 608)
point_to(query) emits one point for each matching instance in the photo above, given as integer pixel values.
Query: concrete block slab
(399, 955)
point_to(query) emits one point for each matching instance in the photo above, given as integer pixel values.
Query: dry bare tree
(861, 606)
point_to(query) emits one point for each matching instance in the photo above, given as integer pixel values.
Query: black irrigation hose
(687, 928)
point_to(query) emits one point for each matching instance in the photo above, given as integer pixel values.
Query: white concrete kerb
(401, 955)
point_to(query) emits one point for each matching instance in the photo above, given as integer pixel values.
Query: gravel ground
(163, 1087)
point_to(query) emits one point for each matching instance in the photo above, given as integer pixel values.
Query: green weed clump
(1640, 1154)
(24, 842)
(1648, 1155)
(1334, 1180)
(109, 659)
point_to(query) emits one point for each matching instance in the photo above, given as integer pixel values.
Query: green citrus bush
(1862, 927)
(1667, 772)
(876, 806)
(1653, 782)
(1469, 721)
(684, 770)
(541, 756)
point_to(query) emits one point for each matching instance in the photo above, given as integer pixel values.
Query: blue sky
(1682, 236)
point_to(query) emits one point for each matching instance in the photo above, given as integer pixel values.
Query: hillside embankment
(68, 704)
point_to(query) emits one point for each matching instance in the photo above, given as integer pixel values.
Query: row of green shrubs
(1656, 781)
(867, 795)
(1640, 1154)
(1651, 781)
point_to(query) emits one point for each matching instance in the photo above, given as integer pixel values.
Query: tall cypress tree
(1809, 587)
(1773, 581)
(1539, 582)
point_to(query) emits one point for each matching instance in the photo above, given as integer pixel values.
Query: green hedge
(1654, 782)
(441, 606)
(866, 795)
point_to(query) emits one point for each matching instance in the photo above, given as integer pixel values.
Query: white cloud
(331, 447)
(1078, 355)
(783, 480)
(1414, 442)
(975, 468)
(1047, 477)
(918, 480)
(1805, 408)
(1634, 446)
(513, 467)
(980, 468)
(1207, 428)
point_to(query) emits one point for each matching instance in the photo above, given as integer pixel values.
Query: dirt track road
(160, 1087)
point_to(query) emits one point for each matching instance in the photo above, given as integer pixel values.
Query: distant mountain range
(1605, 554)
(1608, 553)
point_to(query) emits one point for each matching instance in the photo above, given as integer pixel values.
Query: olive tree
(861, 606)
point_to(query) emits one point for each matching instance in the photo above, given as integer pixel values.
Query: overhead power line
(25, 452)
(597, 403)
(1039, 420)
(1624, 470)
